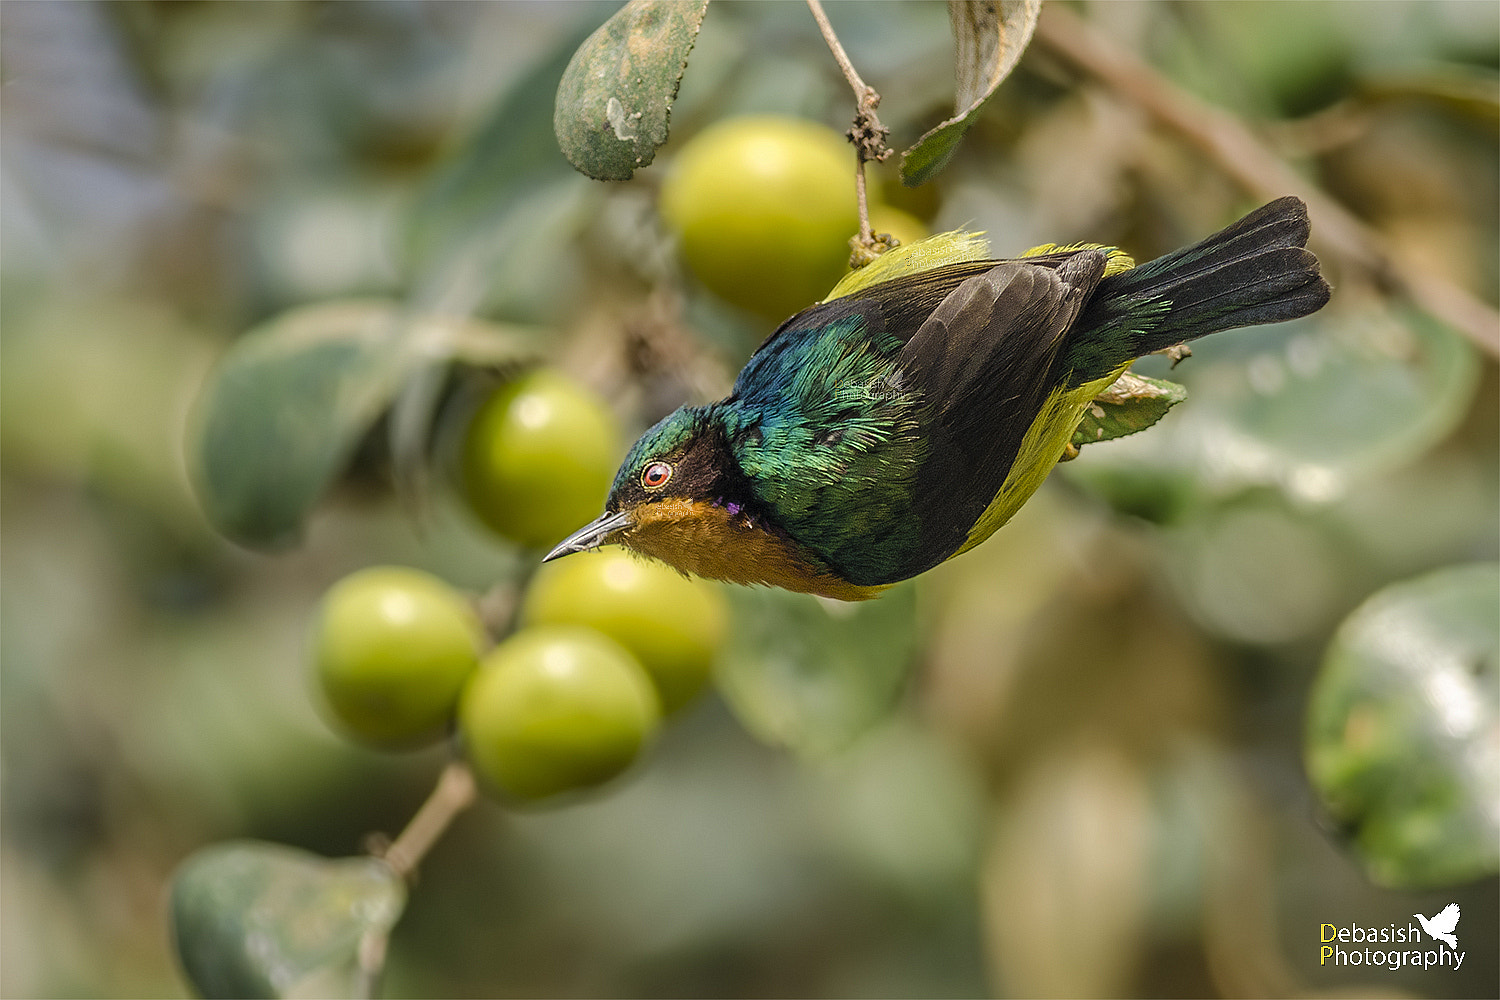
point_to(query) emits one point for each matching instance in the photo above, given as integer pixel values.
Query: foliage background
(1094, 784)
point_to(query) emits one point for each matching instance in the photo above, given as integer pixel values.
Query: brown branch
(867, 134)
(1240, 155)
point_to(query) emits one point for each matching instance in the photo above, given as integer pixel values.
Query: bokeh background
(1092, 780)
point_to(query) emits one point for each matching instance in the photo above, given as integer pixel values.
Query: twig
(867, 134)
(455, 792)
(1240, 155)
(862, 91)
(866, 234)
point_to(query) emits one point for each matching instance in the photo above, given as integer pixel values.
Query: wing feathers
(981, 361)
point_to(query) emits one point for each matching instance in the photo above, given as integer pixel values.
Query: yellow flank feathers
(951, 248)
(705, 539)
(1040, 450)
(914, 258)
(1116, 260)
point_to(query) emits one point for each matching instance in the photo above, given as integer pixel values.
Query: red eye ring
(655, 475)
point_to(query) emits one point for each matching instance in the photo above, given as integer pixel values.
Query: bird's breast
(721, 541)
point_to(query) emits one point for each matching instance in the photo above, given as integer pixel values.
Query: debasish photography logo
(1395, 946)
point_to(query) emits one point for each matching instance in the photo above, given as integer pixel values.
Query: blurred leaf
(1065, 886)
(1259, 570)
(284, 410)
(988, 41)
(1307, 407)
(615, 99)
(1379, 392)
(814, 674)
(509, 155)
(508, 267)
(1468, 91)
(1131, 404)
(287, 405)
(253, 919)
(907, 808)
(1403, 733)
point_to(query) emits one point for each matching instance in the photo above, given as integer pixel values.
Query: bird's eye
(655, 475)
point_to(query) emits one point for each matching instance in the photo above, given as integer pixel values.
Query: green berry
(672, 624)
(763, 208)
(538, 458)
(393, 649)
(555, 709)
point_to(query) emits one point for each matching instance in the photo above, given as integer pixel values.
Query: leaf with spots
(253, 919)
(1131, 404)
(615, 99)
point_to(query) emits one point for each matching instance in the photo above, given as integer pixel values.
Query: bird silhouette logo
(1440, 927)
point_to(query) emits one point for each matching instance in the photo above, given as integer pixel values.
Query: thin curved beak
(591, 535)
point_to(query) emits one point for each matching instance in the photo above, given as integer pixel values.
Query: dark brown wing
(983, 360)
(905, 302)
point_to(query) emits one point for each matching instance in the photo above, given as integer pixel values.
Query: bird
(1440, 927)
(905, 418)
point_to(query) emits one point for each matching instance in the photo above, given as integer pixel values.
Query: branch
(1240, 155)
(864, 94)
(453, 794)
(867, 134)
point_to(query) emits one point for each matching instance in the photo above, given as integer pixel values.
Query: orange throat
(709, 541)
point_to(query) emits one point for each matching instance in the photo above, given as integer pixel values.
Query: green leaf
(988, 41)
(1131, 404)
(284, 410)
(252, 919)
(491, 231)
(813, 674)
(502, 164)
(615, 99)
(1403, 731)
(288, 404)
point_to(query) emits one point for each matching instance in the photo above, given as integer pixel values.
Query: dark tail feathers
(1254, 271)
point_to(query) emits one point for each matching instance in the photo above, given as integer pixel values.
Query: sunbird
(901, 421)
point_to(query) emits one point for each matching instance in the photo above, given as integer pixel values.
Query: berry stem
(454, 792)
(866, 235)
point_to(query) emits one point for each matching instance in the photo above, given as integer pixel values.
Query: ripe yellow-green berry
(763, 208)
(555, 709)
(671, 623)
(393, 648)
(539, 456)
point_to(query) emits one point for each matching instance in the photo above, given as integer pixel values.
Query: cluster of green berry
(605, 646)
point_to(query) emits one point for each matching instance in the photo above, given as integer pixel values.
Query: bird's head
(680, 472)
(680, 496)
